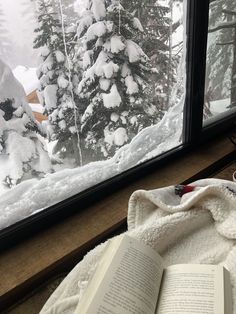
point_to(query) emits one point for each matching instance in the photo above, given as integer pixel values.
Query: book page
(188, 289)
(228, 293)
(131, 282)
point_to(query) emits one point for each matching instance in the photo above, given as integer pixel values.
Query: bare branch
(180, 43)
(176, 24)
(177, 53)
(224, 44)
(230, 12)
(222, 26)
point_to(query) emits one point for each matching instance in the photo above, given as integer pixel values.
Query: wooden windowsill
(33, 261)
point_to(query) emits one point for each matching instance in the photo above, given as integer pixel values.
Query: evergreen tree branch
(177, 45)
(230, 12)
(177, 53)
(226, 43)
(225, 25)
(176, 25)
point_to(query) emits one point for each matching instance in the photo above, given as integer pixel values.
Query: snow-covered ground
(27, 77)
(34, 195)
(219, 106)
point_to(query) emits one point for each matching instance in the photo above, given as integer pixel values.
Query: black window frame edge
(197, 31)
(197, 34)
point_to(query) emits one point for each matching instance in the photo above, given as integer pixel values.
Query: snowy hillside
(33, 195)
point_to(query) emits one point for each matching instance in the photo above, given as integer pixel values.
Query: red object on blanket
(183, 189)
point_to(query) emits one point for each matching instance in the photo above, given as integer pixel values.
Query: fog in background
(18, 20)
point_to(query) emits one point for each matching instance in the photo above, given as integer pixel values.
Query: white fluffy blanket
(199, 227)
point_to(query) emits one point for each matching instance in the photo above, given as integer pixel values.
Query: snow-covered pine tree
(156, 41)
(221, 54)
(55, 82)
(22, 152)
(68, 10)
(115, 93)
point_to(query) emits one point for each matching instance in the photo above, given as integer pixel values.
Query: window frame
(193, 134)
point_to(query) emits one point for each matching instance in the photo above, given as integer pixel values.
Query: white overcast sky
(20, 27)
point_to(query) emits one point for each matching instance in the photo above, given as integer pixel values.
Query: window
(92, 91)
(220, 84)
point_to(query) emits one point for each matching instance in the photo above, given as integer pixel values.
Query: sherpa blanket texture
(199, 227)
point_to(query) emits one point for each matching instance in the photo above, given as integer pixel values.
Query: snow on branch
(230, 24)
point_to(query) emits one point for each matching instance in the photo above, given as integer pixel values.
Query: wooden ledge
(33, 261)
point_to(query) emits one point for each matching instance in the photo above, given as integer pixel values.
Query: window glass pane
(220, 86)
(88, 90)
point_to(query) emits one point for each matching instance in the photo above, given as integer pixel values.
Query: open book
(131, 278)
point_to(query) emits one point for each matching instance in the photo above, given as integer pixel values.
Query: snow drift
(34, 195)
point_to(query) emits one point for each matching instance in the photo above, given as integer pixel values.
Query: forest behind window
(88, 90)
(220, 85)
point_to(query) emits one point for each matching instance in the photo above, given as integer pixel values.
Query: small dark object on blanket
(183, 189)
